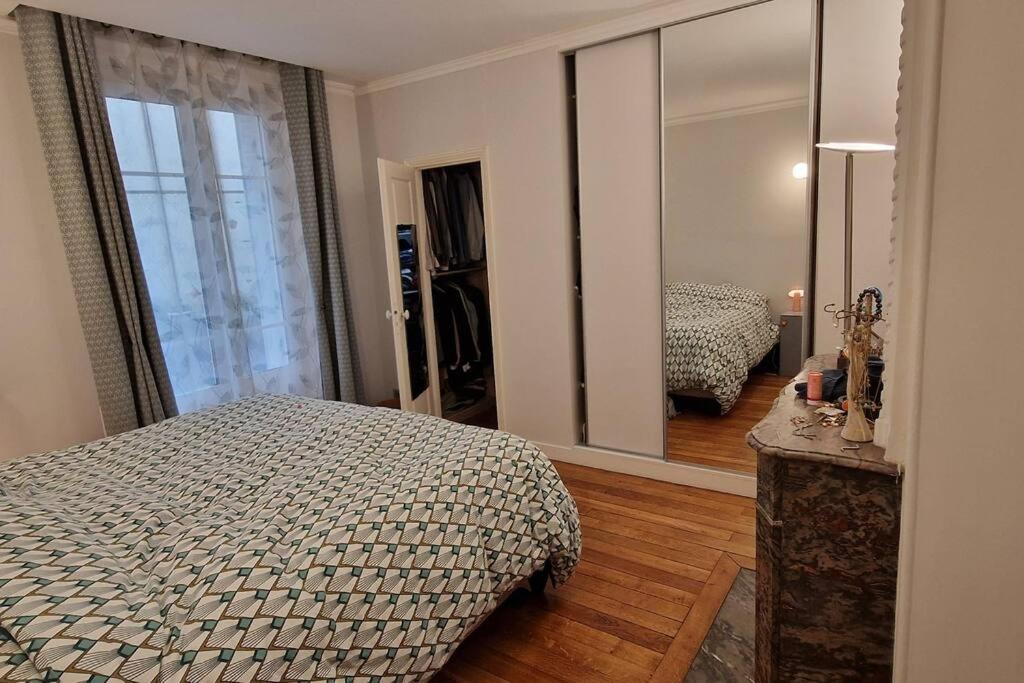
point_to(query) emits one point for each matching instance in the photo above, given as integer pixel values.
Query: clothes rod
(458, 271)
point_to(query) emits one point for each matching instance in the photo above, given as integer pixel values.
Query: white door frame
(898, 427)
(465, 156)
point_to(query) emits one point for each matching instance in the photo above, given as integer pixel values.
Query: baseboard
(653, 468)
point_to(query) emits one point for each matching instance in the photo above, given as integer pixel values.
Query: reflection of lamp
(800, 170)
(796, 300)
(849, 149)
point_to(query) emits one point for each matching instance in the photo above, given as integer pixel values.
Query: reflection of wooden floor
(658, 561)
(701, 436)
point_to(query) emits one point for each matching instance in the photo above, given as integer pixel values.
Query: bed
(274, 538)
(714, 335)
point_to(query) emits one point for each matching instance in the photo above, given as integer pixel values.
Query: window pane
(232, 185)
(225, 142)
(148, 221)
(164, 128)
(131, 141)
(256, 273)
(275, 344)
(250, 145)
(166, 242)
(169, 184)
(141, 183)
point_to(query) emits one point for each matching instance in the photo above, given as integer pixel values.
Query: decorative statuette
(861, 341)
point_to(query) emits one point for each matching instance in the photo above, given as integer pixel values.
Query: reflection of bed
(714, 334)
(275, 538)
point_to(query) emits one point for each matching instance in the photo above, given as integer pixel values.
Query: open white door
(401, 245)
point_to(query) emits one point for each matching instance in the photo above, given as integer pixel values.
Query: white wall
(47, 396)
(963, 577)
(516, 108)
(733, 210)
(357, 234)
(860, 67)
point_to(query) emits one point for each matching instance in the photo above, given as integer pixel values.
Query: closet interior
(439, 290)
(459, 294)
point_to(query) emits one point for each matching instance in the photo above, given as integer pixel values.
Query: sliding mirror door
(737, 118)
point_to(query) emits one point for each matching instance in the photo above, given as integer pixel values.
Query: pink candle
(813, 386)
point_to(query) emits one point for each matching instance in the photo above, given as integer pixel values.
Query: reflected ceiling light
(800, 170)
(856, 147)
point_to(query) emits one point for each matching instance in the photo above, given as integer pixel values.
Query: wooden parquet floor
(699, 435)
(658, 561)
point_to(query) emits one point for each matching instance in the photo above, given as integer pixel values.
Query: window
(202, 142)
(177, 248)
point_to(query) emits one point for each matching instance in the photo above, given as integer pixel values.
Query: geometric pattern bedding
(274, 538)
(714, 334)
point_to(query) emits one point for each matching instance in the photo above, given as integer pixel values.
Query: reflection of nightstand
(791, 338)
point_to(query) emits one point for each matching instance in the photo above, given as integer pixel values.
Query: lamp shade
(796, 299)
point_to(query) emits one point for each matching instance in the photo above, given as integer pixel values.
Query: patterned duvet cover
(275, 538)
(714, 334)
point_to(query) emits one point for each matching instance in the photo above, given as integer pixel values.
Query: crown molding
(340, 88)
(737, 111)
(7, 23)
(568, 40)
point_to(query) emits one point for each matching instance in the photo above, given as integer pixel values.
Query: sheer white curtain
(203, 147)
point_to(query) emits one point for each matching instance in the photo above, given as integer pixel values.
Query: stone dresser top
(773, 436)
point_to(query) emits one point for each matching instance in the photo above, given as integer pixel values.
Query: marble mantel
(774, 435)
(827, 539)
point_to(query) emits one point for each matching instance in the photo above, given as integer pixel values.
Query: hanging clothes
(473, 217)
(463, 331)
(448, 351)
(453, 200)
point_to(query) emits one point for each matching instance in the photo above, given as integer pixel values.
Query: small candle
(813, 386)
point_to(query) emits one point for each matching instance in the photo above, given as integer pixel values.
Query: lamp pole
(849, 149)
(848, 252)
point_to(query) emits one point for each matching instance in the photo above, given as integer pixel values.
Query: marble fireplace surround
(827, 544)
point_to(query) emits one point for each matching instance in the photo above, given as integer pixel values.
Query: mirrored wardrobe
(695, 171)
(736, 140)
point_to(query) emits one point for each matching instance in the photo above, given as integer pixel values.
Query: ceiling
(354, 41)
(739, 59)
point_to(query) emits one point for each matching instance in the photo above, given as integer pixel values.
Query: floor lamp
(850, 149)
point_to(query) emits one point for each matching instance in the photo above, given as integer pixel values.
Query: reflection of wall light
(800, 171)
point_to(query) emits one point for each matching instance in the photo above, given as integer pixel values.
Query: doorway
(439, 244)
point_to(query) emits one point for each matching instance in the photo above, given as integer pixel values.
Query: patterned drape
(305, 103)
(92, 211)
